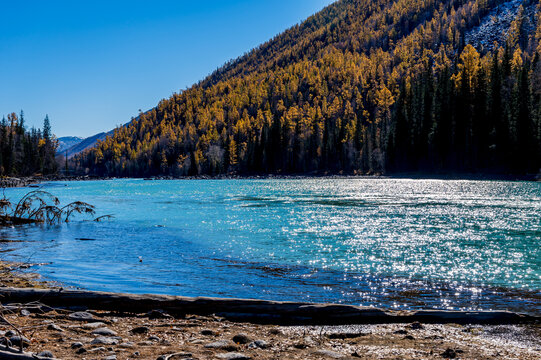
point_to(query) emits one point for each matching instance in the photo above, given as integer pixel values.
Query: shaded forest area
(363, 87)
(26, 152)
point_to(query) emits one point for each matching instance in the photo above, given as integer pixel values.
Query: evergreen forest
(26, 152)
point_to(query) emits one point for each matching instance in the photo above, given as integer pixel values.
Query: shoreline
(525, 302)
(147, 327)
(258, 311)
(19, 285)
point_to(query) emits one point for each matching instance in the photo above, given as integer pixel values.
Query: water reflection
(381, 242)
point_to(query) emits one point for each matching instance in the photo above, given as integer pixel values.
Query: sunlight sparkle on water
(383, 242)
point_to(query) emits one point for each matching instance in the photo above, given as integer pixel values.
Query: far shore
(30, 181)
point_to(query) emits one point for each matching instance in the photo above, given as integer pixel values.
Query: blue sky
(91, 65)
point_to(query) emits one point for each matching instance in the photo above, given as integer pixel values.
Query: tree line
(26, 152)
(363, 87)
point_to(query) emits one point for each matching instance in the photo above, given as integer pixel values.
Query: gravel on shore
(111, 336)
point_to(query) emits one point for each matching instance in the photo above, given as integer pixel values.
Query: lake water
(390, 243)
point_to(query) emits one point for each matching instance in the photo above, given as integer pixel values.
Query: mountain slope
(361, 87)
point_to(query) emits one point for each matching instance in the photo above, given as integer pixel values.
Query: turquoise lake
(390, 243)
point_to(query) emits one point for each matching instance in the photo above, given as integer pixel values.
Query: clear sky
(92, 64)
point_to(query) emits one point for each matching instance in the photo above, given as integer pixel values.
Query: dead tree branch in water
(39, 206)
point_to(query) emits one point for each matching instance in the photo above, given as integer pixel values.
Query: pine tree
(46, 128)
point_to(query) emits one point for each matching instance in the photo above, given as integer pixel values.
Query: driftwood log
(255, 311)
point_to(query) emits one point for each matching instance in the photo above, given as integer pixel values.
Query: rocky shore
(10, 182)
(82, 332)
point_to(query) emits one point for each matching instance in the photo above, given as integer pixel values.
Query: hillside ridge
(362, 87)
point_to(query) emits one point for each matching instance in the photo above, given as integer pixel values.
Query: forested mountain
(26, 152)
(364, 86)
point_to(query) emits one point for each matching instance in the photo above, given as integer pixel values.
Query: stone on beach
(227, 345)
(329, 354)
(146, 343)
(17, 341)
(98, 349)
(416, 326)
(241, 339)
(140, 330)
(208, 332)
(127, 345)
(450, 353)
(345, 335)
(103, 340)
(104, 332)
(176, 356)
(261, 344)
(81, 316)
(93, 325)
(46, 354)
(233, 356)
(158, 314)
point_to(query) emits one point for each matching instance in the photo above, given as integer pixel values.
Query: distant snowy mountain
(66, 142)
(81, 144)
(87, 143)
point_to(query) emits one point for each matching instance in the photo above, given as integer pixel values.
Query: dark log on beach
(255, 311)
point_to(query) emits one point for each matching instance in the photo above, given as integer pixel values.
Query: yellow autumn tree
(469, 67)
